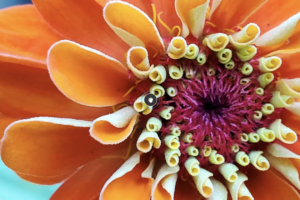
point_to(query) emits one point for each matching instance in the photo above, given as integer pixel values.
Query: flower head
(225, 89)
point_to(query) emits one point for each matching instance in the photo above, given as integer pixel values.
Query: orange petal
(4, 122)
(88, 181)
(266, 17)
(269, 186)
(82, 22)
(230, 14)
(192, 14)
(28, 92)
(49, 180)
(25, 36)
(87, 76)
(186, 187)
(132, 181)
(133, 26)
(290, 65)
(116, 127)
(168, 16)
(51, 146)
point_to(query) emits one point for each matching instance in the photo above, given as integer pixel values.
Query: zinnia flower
(223, 76)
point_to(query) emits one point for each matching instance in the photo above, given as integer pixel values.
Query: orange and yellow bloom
(74, 75)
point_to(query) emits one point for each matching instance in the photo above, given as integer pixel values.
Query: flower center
(216, 105)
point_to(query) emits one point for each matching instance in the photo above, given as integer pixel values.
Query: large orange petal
(133, 26)
(50, 147)
(186, 187)
(87, 76)
(268, 186)
(231, 13)
(168, 16)
(82, 22)
(4, 122)
(290, 67)
(132, 181)
(116, 127)
(266, 17)
(88, 181)
(29, 92)
(25, 36)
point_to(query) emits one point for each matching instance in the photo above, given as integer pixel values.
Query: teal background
(11, 186)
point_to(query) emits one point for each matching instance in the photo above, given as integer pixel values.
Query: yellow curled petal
(175, 72)
(247, 53)
(244, 137)
(177, 48)
(267, 109)
(158, 74)
(187, 138)
(172, 141)
(166, 113)
(228, 170)
(247, 69)
(172, 157)
(281, 101)
(153, 124)
(175, 131)
(265, 79)
(203, 183)
(189, 73)
(157, 90)
(259, 91)
(269, 64)
(266, 135)
(192, 151)
(253, 137)
(295, 108)
(216, 42)
(242, 158)
(224, 55)
(246, 36)
(230, 65)
(283, 133)
(290, 87)
(219, 191)
(244, 81)
(237, 188)
(257, 115)
(192, 166)
(147, 111)
(147, 140)
(211, 71)
(171, 91)
(216, 158)
(139, 104)
(206, 151)
(259, 161)
(235, 148)
(192, 51)
(201, 58)
(138, 62)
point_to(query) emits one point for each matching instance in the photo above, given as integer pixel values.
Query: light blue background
(11, 186)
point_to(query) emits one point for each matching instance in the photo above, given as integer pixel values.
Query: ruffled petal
(290, 67)
(48, 147)
(283, 38)
(168, 16)
(267, 15)
(192, 14)
(133, 26)
(132, 181)
(291, 120)
(25, 36)
(268, 186)
(87, 76)
(186, 187)
(116, 127)
(164, 185)
(82, 22)
(28, 92)
(229, 14)
(88, 180)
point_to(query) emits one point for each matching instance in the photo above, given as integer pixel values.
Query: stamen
(172, 157)
(216, 158)
(247, 69)
(172, 142)
(257, 115)
(166, 113)
(242, 158)
(267, 109)
(201, 59)
(157, 90)
(192, 151)
(189, 73)
(171, 92)
(259, 91)
(206, 151)
(235, 148)
(192, 166)
(244, 137)
(175, 131)
(154, 13)
(153, 124)
(175, 72)
(253, 137)
(229, 65)
(210, 23)
(163, 23)
(187, 138)
(192, 51)
(265, 79)
(224, 56)
(228, 170)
